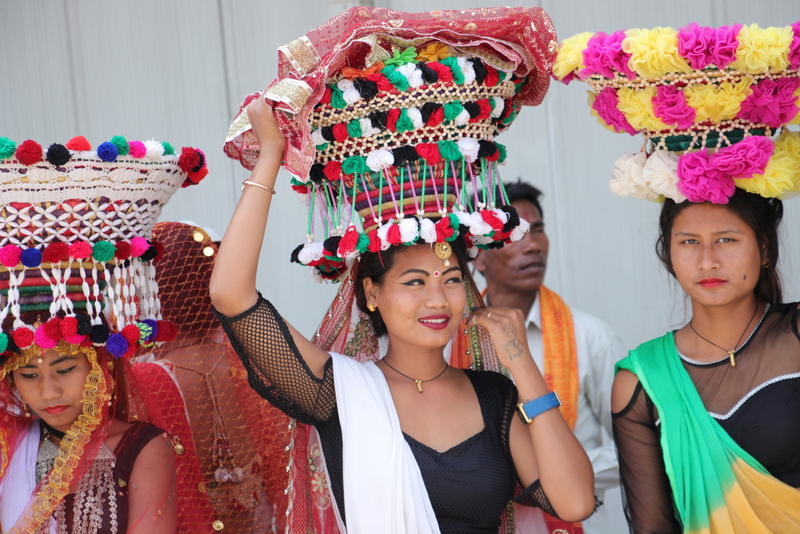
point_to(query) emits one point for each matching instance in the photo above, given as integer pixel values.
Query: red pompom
(493, 157)
(333, 171)
(492, 220)
(486, 108)
(348, 243)
(52, 329)
(160, 251)
(131, 334)
(29, 152)
(445, 74)
(197, 177)
(340, 132)
(69, 329)
(374, 241)
(80, 250)
(443, 229)
(492, 78)
(79, 144)
(55, 253)
(123, 251)
(167, 331)
(22, 336)
(189, 159)
(383, 83)
(393, 235)
(430, 153)
(436, 118)
(326, 96)
(391, 119)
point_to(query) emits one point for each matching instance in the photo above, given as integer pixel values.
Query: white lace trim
(746, 341)
(753, 392)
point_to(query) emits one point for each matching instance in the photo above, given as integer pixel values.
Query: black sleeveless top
(469, 486)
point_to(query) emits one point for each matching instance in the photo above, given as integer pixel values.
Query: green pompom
(452, 110)
(337, 98)
(452, 64)
(354, 129)
(7, 149)
(3, 341)
(122, 145)
(103, 251)
(502, 76)
(168, 150)
(404, 123)
(355, 165)
(454, 222)
(449, 151)
(397, 79)
(503, 152)
(363, 243)
(145, 331)
(322, 148)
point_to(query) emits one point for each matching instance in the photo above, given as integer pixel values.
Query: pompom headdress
(75, 248)
(709, 102)
(393, 116)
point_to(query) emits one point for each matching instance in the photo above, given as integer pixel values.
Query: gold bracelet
(266, 188)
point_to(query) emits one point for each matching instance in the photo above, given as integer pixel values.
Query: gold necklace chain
(418, 382)
(731, 353)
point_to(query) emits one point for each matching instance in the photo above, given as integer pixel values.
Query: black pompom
(378, 119)
(409, 153)
(99, 333)
(332, 244)
(486, 148)
(150, 253)
(58, 154)
(294, 258)
(84, 325)
(366, 88)
(427, 109)
(473, 109)
(479, 68)
(201, 160)
(327, 133)
(513, 217)
(315, 174)
(399, 156)
(429, 75)
(12, 346)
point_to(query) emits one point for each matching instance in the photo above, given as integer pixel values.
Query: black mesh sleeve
(275, 368)
(645, 486)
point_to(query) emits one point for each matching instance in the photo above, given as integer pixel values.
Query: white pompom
(469, 148)
(414, 75)
(155, 150)
(498, 105)
(416, 117)
(427, 230)
(462, 118)
(378, 160)
(316, 137)
(344, 84)
(310, 253)
(520, 231)
(500, 214)
(409, 230)
(467, 69)
(477, 226)
(463, 217)
(383, 231)
(367, 129)
(473, 251)
(351, 96)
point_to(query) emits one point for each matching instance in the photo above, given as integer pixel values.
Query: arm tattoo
(513, 348)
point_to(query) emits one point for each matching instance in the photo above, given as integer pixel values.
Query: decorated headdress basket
(712, 103)
(76, 259)
(393, 116)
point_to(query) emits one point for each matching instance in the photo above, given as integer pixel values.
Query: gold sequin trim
(301, 54)
(291, 92)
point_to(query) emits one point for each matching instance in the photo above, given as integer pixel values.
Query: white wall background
(178, 70)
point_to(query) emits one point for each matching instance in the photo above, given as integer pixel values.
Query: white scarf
(383, 487)
(16, 487)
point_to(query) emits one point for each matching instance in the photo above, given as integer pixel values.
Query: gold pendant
(733, 361)
(419, 385)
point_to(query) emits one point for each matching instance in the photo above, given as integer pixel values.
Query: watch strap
(529, 410)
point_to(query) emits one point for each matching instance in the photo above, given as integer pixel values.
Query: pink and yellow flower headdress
(708, 101)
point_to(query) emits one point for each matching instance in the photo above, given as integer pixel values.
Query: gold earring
(371, 307)
(27, 410)
(766, 265)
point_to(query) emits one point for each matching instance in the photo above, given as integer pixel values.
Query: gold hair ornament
(443, 251)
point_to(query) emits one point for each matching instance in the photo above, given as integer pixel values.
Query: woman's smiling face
(52, 386)
(421, 301)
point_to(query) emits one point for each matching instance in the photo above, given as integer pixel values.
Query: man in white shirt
(514, 275)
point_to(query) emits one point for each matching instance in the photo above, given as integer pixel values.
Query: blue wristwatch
(531, 409)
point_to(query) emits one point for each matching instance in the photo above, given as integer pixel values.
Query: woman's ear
(370, 291)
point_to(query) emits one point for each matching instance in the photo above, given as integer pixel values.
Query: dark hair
(763, 215)
(375, 265)
(520, 190)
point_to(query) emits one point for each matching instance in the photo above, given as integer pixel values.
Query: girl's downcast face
(52, 386)
(716, 256)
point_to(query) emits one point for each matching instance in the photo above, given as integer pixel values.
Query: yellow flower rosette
(781, 178)
(570, 55)
(763, 49)
(637, 105)
(654, 53)
(717, 102)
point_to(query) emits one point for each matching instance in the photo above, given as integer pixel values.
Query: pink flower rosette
(744, 159)
(605, 104)
(771, 102)
(700, 181)
(670, 105)
(604, 55)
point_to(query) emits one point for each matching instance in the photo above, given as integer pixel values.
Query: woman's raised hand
(507, 328)
(265, 127)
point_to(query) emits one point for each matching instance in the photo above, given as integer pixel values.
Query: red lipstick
(435, 322)
(55, 410)
(711, 282)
